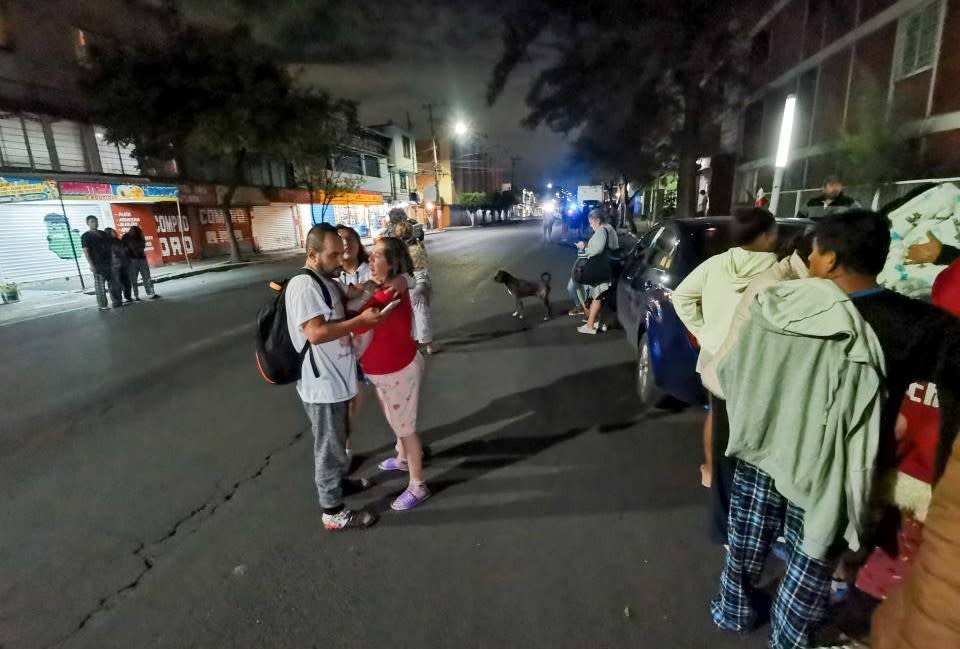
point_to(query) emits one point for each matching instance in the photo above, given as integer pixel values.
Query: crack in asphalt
(148, 553)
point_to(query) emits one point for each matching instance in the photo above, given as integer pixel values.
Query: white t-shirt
(335, 359)
(360, 276)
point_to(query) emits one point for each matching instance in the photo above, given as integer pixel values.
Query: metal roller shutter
(274, 227)
(34, 244)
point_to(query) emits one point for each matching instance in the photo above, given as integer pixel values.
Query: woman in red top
(395, 367)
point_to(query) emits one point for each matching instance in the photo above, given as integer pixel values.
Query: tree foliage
(318, 137)
(637, 83)
(202, 93)
(473, 200)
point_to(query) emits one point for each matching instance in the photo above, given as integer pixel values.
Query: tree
(639, 81)
(473, 200)
(203, 94)
(320, 135)
(874, 152)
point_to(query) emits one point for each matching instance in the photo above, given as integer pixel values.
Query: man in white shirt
(329, 374)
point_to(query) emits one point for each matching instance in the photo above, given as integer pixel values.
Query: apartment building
(857, 67)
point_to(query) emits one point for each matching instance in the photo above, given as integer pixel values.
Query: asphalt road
(157, 493)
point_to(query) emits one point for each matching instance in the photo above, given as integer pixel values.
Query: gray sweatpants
(330, 423)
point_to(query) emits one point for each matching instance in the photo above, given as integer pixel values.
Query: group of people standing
(363, 317)
(117, 263)
(807, 361)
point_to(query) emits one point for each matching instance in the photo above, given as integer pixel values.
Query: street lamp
(549, 185)
(783, 150)
(460, 129)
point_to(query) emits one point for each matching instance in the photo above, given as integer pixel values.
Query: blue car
(666, 352)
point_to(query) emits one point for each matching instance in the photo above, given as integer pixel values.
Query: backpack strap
(328, 300)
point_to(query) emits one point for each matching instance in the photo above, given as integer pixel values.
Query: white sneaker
(586, 329)
(348, 519)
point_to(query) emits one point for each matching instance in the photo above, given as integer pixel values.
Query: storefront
(275, 227)
(42, 220)
(364, 211)
(201, 204)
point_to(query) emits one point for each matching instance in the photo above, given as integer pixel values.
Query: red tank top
(392, 347)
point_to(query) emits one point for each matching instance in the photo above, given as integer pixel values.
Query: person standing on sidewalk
(136, 245)
(328, 382)
(120, 264)
(706, 302)
(98, 249)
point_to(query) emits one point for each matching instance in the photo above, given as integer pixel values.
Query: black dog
(521, 288)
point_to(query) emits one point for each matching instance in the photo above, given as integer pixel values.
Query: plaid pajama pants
(105, 282)
(757, 513)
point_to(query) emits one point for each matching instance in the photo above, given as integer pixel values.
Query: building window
(81, 46)
(918, 39)
(406, 147)
(68, 140)
(403, 181)
(115, 159)
(6, 28)
(760, 48)
(351, 164)
(371, 166)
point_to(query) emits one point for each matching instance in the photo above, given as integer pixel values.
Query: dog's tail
(545, 278)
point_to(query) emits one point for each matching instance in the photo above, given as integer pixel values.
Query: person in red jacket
(392, 363)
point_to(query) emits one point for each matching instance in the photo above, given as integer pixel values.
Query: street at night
(170, 502)
(444, 324)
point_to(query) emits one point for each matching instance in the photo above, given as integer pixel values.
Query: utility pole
(513, 171)
(436, 161)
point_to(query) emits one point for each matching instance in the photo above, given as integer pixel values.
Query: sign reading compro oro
(13, 190)
(118, 193)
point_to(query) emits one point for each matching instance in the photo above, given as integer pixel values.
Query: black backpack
(278, 360)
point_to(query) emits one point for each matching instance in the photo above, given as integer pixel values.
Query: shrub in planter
(9, 292)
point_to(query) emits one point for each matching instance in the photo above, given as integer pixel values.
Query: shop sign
(127, 193)
(13, 190)
(173, 242)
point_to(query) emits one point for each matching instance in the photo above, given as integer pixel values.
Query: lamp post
(783, 150)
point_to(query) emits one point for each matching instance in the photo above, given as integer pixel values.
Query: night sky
(393, 57)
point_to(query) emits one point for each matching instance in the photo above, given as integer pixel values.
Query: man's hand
(370, 317)
(398, 285)
(580, 245)
(924, 253)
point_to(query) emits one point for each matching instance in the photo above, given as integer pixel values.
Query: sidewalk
(53, 297)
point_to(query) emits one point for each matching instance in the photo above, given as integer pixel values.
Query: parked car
(666, 352)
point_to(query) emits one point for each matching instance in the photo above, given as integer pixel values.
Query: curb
(203, 271)
(225, 266)
(219, 268)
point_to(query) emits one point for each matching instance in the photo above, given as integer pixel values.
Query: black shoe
(154, 297)
(353, 486)
(348, 519)
(137, 298)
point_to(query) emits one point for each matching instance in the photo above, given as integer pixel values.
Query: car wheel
(651, 396)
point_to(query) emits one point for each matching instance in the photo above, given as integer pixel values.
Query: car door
(639, 278)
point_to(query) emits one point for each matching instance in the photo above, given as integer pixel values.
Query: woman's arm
(597, 243)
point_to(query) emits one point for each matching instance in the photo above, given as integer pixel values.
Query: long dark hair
(398, 256)
(353, 235)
